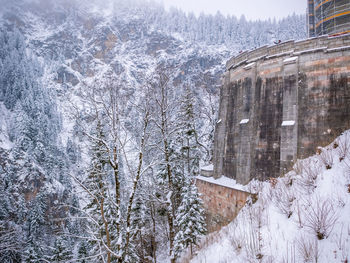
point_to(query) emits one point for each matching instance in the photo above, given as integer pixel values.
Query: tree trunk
(107, 231)
(170, 210)
(136, 180)
(154, 245)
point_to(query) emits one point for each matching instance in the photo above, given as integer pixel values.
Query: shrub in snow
(253, 246)
(326, 158)
(261, 232)
(299, 167)
(320, 216)
(283, 199)
(308, 176)
(237, 237)
(347, 170)
(342, 242)
(344, 147)
(256, 218)
(308, 249)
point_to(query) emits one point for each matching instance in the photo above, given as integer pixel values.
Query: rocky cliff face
(86, 43)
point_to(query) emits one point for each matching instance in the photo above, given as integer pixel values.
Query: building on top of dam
(328, 17)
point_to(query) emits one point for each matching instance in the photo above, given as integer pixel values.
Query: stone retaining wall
(221, 203)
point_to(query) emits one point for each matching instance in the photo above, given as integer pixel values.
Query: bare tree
(257, 217)
(344, 147)
(308, 249)
(327, 159)
(207, 109)
(283, 198)
(320, 216)
(308, 173)
(108, 104)
(161, 95)
(290, 256)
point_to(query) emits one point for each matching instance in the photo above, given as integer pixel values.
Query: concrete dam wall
(278, 104)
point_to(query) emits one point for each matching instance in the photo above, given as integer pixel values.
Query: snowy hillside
(303, 216)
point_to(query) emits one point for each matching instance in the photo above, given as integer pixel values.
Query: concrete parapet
(289, 48)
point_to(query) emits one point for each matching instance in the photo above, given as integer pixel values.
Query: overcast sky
(252, 9)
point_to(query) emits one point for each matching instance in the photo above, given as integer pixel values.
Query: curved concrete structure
(279, 103)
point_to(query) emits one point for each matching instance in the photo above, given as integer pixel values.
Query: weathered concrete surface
(221, 203)
(279, 103)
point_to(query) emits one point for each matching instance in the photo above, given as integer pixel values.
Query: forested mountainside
(106, 112)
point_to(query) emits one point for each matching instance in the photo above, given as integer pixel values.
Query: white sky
(252, 9)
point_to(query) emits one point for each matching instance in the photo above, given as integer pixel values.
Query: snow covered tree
(162, 98)
(110, 209)
(62, 251)
(189, 221)
(188, 135)
(189, 215)
(97, 190)
(83, 252)
(33, 252)
(35, 161)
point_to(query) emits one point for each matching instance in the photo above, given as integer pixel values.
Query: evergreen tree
(189, 144)
(72, 151)
(62, 251)
(83, 252)
(189, 220)
(100, 207)
(185, 153)
(139, 221)
(33, 252)
(36, 217)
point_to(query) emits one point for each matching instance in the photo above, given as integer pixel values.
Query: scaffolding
(328, 17)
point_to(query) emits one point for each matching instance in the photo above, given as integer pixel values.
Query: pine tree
(33, 252)
(37, 160)
(97, 173)
(185, 153)
(72, 151)
(189, 220)
(111, 216)
(83, 252)
(189, 150)
(36, 216)
(100, 207)
(62, 250)
(189, 215)
(139, 221)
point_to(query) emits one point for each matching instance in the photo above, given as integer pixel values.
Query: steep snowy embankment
(303, 216)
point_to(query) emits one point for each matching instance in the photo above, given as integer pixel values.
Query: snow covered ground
(223, 181)
(303, 216)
